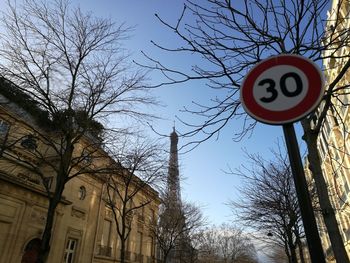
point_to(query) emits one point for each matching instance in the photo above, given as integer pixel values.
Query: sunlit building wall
(84, 229)
(334, 140)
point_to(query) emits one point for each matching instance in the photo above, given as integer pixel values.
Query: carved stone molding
(78, 212)
(108, 213)
(73, 232)
(29, 202)
(38, 216)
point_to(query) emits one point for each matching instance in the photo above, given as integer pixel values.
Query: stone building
(84, 228)
(334, 140)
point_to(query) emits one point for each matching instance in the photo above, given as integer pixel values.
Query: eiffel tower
(180, 253)
(173, 180)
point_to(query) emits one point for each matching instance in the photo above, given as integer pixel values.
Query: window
(105, 248)
(82, 192)
(151, 216)
(344, 104)
(139, 256)
(141, 215)
(150, 246)
(139, 243)
(344, 181)
(327, 127)
(29, 143)
(110, 196)
(70, 250)
(86, 157)
(334, 117)
(106, 235)
(346, 226)
(47, 181)
(322, 150)
(337, 158)
(4, 128)
(31, 250)
(324, 143)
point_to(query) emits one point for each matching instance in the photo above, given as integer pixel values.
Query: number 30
(274, 93)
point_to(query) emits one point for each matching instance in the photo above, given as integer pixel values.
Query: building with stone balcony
(334, 140)
(84, 228)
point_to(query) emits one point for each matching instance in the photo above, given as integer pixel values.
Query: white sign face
(269, 95)
(282, 89)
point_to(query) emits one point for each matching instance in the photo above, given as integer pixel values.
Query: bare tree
(278, 255)
(226, 244)
(142, 169)
(176, 227)
(269, 203)
(74, 69)
(229, 38)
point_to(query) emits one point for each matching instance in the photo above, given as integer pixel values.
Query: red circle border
(310, 101)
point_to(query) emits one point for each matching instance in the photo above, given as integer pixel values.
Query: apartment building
(334, 140)
(84, 228)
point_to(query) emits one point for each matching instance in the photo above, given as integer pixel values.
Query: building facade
(84, 228)
(334, 140)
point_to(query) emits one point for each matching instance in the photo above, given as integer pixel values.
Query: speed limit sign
(282, 89)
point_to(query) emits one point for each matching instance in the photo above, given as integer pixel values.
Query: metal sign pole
(306, 209)
(267, 96)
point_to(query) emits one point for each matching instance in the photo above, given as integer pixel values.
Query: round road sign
(282, 89)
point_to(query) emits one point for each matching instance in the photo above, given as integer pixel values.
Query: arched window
(31, 251)
(29, 143)
(82, 192)
(4, 128)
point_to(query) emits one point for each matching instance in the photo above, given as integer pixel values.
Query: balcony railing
(127, 255)
(139, 258)
(347, 234)
(329, 253)
(104, 251)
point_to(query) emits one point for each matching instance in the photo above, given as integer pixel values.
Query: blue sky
(205, 182)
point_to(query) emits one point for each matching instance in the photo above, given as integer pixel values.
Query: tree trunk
(122, 250)
(165, 256)
(287, 251)
(293, 254)
(46, 236)
(301, 250)
(61, 179)
(328, 213)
